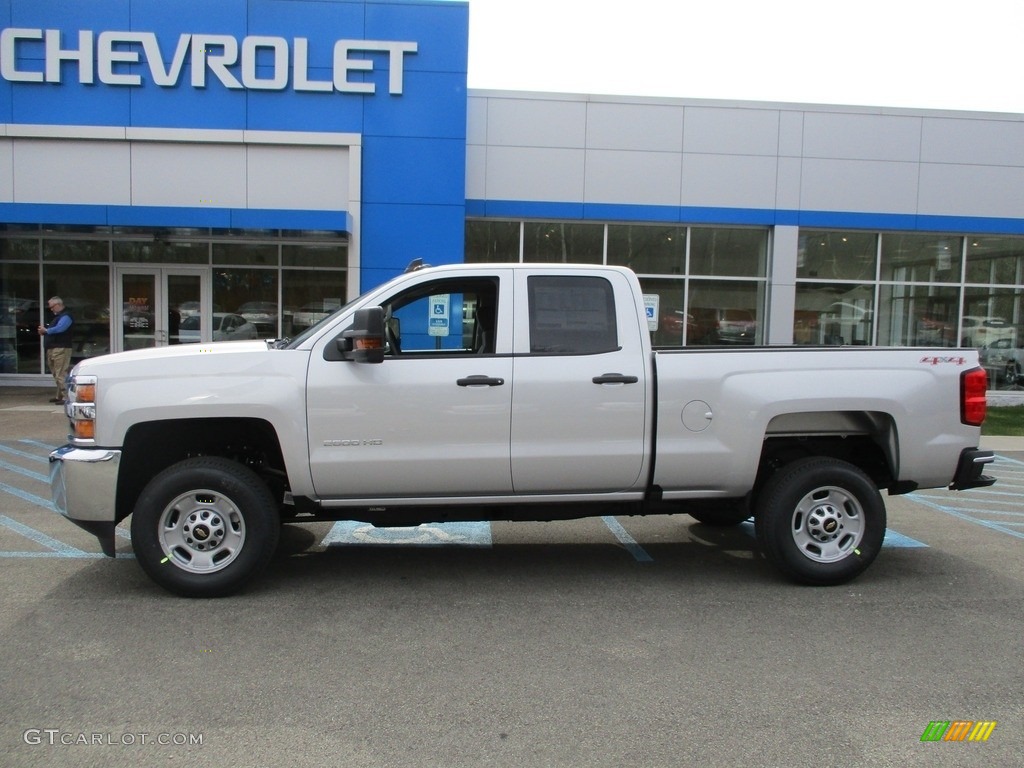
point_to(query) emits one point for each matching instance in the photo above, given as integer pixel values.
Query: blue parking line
(59, 548)
(39, 501)
(24, 472)
(24, 454)
(960, 513)
(46, 446)
(893, 539)
(638, 552)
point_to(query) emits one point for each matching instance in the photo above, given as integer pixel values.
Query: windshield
(295, 342)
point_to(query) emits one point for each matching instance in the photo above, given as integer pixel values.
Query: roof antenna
(415, 265)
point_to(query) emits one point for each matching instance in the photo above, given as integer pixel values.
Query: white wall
(166, 167)
(666, 152)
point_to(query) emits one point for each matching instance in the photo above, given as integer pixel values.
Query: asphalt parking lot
(600, 642)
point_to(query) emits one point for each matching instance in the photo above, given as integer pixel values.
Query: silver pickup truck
(506, 392)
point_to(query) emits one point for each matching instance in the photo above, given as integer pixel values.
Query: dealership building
(196, 171)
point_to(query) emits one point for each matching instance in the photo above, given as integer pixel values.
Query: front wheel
(1013, 376)
(820, 521)
(204, 527)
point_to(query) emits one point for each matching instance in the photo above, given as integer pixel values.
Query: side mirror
(364, 341)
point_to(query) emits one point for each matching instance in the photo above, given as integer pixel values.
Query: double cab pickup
(506, 392)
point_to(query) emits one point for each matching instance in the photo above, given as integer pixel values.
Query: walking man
(57, 343)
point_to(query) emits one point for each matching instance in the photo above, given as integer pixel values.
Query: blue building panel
(65, 15)
(438, 27)
(320, 23)
(70, 102)
(170, 19)
(434, 233)
(414, 171)
(212, 107)
(432, 106)
(298, 111)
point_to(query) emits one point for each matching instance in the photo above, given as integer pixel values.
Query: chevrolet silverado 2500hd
(506, 392)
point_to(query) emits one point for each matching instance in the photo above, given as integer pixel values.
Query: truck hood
(176, 355)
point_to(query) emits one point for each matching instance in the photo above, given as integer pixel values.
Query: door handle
(480, 381)
(615, 378)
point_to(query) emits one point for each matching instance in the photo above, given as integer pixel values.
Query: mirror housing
(364, 341)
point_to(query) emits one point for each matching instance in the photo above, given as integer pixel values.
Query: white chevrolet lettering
(107, 56)
(257, 62)
(55, 55)
(161, 76)
(279, 80)
(8, 55)
(204, 54)
(300, 64)
(343, 63)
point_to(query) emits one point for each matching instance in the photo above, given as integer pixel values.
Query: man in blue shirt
(57, 343)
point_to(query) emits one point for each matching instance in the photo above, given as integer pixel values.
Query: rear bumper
(969, 472)
(83, 485)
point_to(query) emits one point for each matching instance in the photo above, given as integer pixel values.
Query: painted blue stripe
(39, 501)
(892, 539)
(39, 444)
(352, 532)
(24, 455)
(24, 472)
(59, 547)
(955, 512)
(78, 555)
(160, 216)
(638, 552)
(535, 209)
(977, 493)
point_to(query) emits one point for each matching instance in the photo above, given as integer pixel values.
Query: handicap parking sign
(437, 323)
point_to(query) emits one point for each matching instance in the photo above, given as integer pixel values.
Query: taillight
(973, 396)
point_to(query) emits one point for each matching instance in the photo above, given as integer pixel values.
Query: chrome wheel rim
(201, 531)
(828, 524)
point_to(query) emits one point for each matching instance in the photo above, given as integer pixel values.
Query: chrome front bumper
(83, 485)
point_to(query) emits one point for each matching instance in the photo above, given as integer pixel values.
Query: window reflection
(918, 316)
(921, 258)
(834, 313)
(728, 252)
(648, 249)
(563, 243)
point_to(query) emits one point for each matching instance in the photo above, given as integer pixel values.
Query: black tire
(820, 521)
(722, 515)
(204, 527)
(1013, 376)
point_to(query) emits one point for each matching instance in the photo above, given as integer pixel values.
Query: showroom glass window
(835, 289)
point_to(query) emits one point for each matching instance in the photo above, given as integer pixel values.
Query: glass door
(161, 306)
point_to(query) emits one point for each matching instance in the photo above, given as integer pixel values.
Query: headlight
(81, 409)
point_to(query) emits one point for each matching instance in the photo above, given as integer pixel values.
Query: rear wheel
(1013, 376)
(820, 521)
(204, 527)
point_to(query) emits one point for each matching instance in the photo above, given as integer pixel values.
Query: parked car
(225, 326)
(189, 308)
(984, 331)
(313, 313)
(262, 314)
(710, 325)
(1004, 358)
